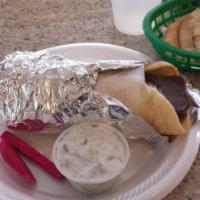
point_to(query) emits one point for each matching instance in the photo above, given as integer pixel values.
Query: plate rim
(193, 142)
(96, 44)
(186, 159)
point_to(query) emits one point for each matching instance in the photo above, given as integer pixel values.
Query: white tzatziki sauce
(91, 151)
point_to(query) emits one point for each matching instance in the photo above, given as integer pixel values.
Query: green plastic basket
(160, 17)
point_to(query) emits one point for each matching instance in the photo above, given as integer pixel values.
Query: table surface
(36, 24)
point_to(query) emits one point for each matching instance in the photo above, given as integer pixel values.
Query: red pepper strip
(29, 125)
(12, 158)
(35, 125)
(32, 154)
(20, 127)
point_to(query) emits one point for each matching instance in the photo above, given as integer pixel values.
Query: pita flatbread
(166, 69)
(196, 29)
(195, 13)
(186, 33)
(146, 101)
(186, 30)
(172, 33)
(196, 36)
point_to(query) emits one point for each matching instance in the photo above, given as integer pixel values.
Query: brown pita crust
(162, 68)
(172, 33)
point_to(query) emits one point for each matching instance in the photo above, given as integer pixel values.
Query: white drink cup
(128, 14)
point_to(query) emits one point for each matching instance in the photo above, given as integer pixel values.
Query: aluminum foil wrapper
(195, 99)
(59, 93)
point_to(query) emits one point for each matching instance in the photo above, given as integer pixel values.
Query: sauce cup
(91, 135)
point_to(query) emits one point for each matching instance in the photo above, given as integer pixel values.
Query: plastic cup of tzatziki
(91, 155)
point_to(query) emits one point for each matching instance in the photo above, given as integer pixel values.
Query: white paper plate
(149, 175)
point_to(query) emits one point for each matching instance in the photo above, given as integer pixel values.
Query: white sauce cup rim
(99, 180)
